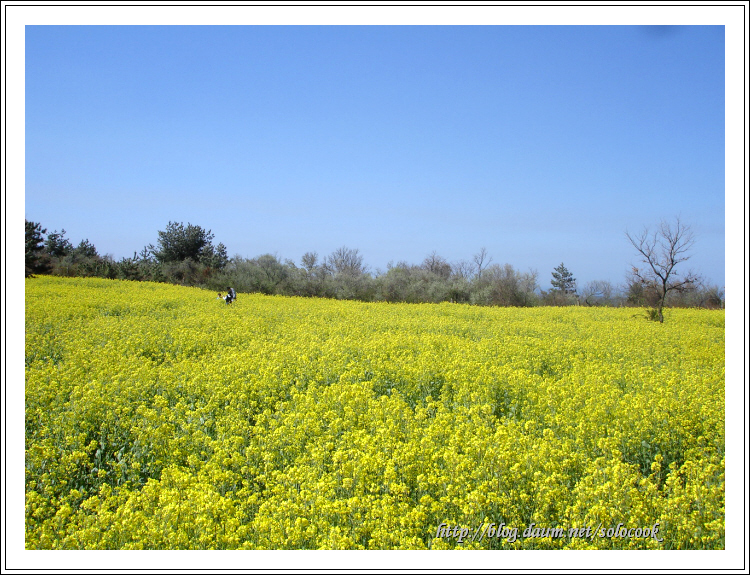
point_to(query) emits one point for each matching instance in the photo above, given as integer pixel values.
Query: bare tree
(346, 261)
(661, 251)
(310, 261)
(529, 281)
(437, 265)
(479, 259)
(462, 269)
(597, 292)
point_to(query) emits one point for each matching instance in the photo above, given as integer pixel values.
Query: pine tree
(36, 260)
(563, 280)
(57, 244)
(178, 243)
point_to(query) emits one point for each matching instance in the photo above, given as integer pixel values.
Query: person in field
(229, 298)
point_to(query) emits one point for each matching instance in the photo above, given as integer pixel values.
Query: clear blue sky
(542, 144)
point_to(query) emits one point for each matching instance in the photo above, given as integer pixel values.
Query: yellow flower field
(157, 417)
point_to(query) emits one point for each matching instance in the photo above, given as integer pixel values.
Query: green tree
(57, 245)
(271, 273)
(311, 276)
(86, 249)
(179, 242)
(563, 281)
(214, 257)
(36, 259)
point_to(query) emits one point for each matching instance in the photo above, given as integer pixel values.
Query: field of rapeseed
(157, 417)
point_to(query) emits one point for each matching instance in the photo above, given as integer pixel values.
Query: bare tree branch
(479, 259)
(662, 251)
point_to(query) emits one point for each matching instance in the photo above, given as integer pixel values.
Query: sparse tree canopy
(310, 261)
(346, 261)
(481, 260)
(462, 269)
(660, 251)
(437, 265)
(597, 292)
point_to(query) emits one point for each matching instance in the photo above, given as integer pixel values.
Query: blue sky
(542, 144)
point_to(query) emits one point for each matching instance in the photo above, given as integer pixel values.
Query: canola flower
(159, 418)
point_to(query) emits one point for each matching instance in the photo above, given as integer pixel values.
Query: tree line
(186, 255)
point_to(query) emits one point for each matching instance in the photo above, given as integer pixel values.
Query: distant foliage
(186, 255)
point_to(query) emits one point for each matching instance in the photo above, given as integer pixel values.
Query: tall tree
(661, 250)
(563, 280)
(36, 262)
(57, 244)
(179, 242)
